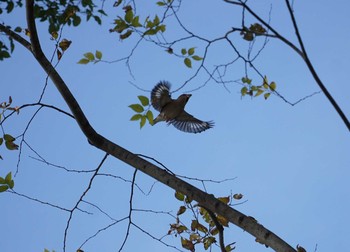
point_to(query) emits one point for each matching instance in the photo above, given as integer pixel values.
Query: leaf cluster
(6, 183)
(89, 57)
(10, 5)
(202, 230)
(265, 88)
(66, 12)
(143, 112)
(55, 13)
(254, 30)
(5, 51)
(130, 23)
(189, 56)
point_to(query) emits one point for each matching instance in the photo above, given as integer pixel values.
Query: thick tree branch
(15, 36)
(204, 199)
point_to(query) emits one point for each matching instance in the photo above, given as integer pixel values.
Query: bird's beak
(188, 95)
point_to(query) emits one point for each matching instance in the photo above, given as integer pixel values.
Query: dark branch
(16, 37)
(313, 71)
(80, 200)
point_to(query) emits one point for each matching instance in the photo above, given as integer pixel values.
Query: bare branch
(130, 211)
(80, 200)
(313, 71)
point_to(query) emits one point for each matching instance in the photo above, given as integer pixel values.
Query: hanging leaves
(265, 88)
(143, 114)
(90, 57)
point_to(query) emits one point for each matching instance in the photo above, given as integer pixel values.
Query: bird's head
(184, 97)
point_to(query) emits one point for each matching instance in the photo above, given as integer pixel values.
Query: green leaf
(143, 121)
(188, 62)
(2, 180)
(191, 51)
(18, 29)
(156, 20)
(11, 145)
(183, 51)
(208, 241)
(267, 95)
(135, 22)
(228, 248)
(266, 80)
(244, 91)
(3, 188)
(144, 100)
(136, 107)
(83, 61)
(129, 16)
(8, 177)
(126, 34)
(1, 140)
(181, 210)
(179, 196)
(161, 28)
(160, 3)
(259, 92)
(9, 138)
(98, 54)
(76, 20)
(197, 58)
(11, 184)
(273, 86)
(136, 117)
(150, 32)
(149, 116)
(90, 56)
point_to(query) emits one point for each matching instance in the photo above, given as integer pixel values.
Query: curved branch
(16, 37)
(209, 201)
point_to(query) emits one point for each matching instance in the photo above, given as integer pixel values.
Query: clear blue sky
(291, 163)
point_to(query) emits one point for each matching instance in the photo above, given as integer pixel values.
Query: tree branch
(16, 37)
(302, 53)
(204, 199)
(313, 71)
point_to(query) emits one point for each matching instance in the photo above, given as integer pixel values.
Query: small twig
(130, 211)
(80, 200)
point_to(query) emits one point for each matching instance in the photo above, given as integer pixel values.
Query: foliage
(6, 183)
(265, 88)
(89, 57)
(203, 230)
(254, 30)
(55, 13)
(189, 54)
(130, 23)
(143, 112)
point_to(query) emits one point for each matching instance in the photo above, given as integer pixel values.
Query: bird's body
(173, 111)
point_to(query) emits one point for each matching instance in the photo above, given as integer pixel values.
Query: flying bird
(173, 111)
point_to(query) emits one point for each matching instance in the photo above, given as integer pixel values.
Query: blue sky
(291, 163)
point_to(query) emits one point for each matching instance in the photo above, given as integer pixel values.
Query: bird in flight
(173, 111)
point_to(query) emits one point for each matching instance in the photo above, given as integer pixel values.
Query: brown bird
(173, 111)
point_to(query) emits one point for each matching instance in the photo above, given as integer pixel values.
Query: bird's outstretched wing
(160, 95)
(187, 123)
